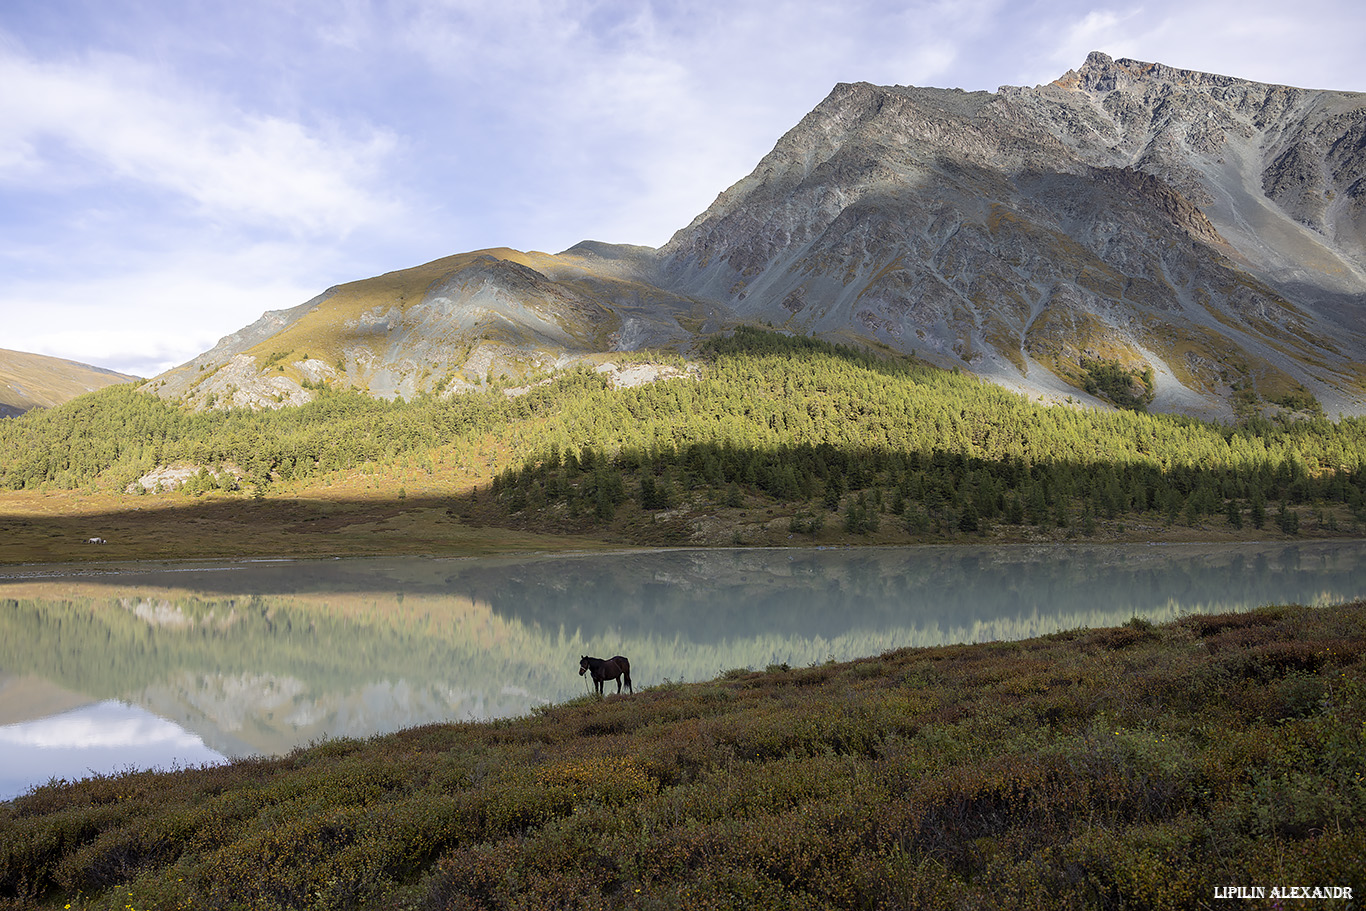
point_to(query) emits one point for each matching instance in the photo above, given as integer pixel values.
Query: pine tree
(1287, 520)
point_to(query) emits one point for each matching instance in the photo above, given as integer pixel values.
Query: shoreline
(48, 529)
(39, 570)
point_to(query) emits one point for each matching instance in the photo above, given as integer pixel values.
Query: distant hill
(38, 381)
(1131, 234)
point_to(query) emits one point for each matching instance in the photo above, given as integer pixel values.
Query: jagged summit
(1203, 230)
(1101, 73)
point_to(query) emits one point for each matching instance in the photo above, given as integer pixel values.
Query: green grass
(1133, 767)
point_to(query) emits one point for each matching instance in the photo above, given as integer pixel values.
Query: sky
(172, 169)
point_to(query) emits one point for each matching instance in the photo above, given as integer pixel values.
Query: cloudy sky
(170, 169)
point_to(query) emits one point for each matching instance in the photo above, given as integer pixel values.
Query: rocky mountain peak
(1204, 226)
(1101, 73)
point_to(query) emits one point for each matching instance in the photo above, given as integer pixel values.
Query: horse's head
(583, 665)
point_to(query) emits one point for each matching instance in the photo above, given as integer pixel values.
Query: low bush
(1137, 767)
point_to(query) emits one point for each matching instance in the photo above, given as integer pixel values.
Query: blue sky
(171, 170)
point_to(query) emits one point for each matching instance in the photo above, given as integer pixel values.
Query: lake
(110, 667)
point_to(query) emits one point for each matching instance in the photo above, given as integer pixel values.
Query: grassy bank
(55, 527)
(1131, 767)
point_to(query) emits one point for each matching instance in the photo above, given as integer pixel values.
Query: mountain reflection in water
(262, 657)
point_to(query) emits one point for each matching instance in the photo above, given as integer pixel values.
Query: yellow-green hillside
(37, 381)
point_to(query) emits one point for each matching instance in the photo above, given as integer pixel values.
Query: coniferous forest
(843, 439)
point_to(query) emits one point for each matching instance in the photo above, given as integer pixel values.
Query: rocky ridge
(449, 326)
(1205, 226)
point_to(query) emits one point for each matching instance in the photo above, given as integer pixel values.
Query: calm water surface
(141, 665)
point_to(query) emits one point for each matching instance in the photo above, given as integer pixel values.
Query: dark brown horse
(614, 668)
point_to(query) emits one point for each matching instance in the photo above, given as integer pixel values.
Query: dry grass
(367, 515)
(54, 527)
(35, 380)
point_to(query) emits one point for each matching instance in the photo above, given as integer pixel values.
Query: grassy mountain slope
(37, 381)
(1200, 231)
(449, 325)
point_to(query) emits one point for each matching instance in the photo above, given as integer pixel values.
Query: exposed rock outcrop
(1202, 224)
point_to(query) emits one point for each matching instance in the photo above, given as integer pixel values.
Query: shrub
(1133, 767)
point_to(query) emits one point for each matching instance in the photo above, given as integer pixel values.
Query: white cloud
(157, 311)
(103, 738)
(630, 118)
(72, 125)
(142, 218)
(347, 23)
(1097, 29)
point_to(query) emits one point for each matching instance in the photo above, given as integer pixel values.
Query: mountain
(37, 381)
(450, 325)
(1207, 227)
(1151, 234)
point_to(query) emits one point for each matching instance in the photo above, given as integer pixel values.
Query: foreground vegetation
(1133, 767)
(780, 439)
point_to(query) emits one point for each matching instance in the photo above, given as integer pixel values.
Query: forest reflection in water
(261, 657)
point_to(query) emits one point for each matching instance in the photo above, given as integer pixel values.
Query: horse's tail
(625, 671)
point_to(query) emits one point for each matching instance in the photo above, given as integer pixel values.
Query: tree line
(797, 420)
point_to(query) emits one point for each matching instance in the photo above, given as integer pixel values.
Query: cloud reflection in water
(103, 736)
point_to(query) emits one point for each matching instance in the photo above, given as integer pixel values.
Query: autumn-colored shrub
(1128, 768)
